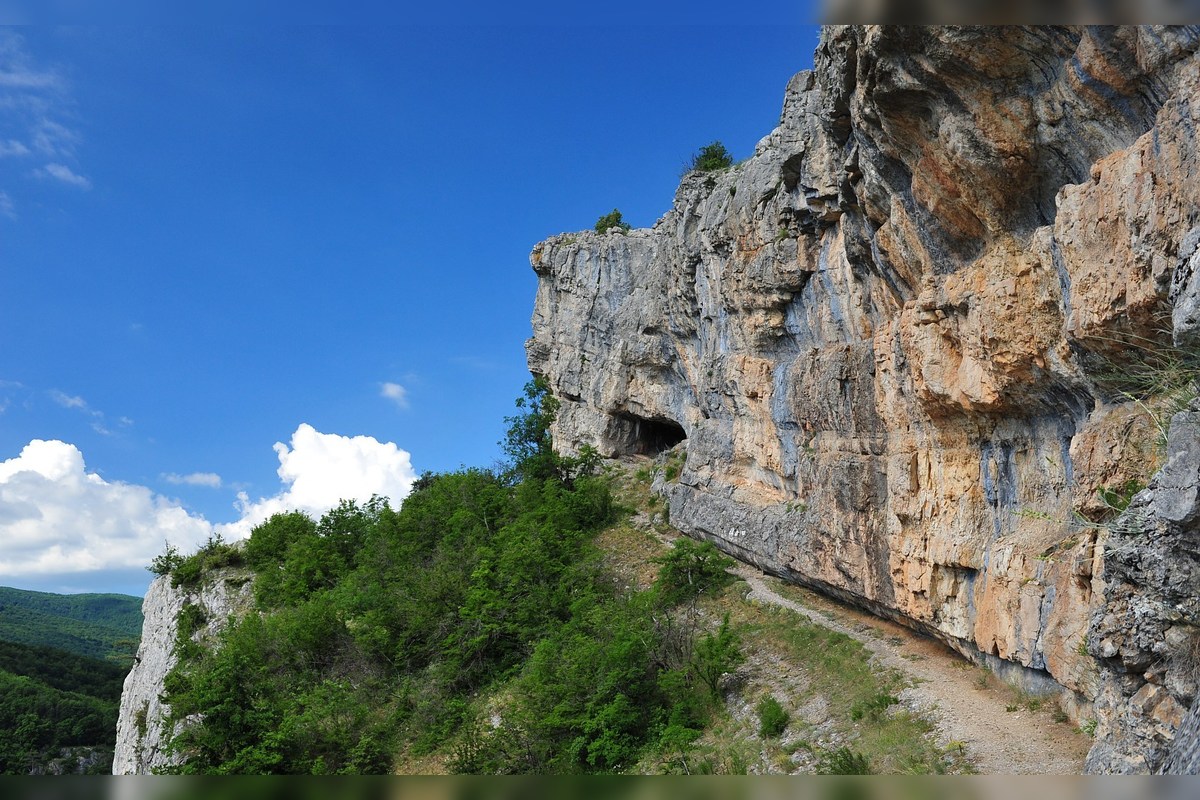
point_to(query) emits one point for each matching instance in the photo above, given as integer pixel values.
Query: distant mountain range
(63, 659)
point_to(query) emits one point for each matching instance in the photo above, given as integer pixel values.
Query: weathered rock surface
(141, 724)
(1147, 632)
(889, 339)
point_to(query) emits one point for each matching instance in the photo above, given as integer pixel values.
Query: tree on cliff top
(710, 158)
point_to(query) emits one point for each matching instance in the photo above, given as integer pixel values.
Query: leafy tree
(715, 655)
(710, 158)
(690, 570)
(610, 221)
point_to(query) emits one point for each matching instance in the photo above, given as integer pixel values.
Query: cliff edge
(923, 347)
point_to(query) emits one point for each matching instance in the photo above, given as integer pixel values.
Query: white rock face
(141, 736)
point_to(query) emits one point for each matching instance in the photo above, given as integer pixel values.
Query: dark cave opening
(652, 436)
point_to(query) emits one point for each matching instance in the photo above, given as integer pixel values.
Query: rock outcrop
(915, 346)
(142, 730)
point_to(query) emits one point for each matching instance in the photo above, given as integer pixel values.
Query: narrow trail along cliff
(1001, 735)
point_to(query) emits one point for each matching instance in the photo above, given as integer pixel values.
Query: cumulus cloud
(56, 517)
(57, 520)
(209, 479)
(396, 393)
(321, 469)
(61, 172)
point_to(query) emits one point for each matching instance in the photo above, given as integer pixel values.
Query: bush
(710, 158)
(772, 718)
(610, 221)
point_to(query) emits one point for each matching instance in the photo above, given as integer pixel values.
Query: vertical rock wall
(142, 732)
(896, 338)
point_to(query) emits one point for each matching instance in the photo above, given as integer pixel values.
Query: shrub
(610, 221)
(167, 561)
(772, 718)
(692, 569)
(710, 158)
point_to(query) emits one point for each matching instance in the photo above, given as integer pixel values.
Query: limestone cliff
(901, 341)
(141, 724)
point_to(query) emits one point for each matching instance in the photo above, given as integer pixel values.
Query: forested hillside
(58, 710)
(63, 659)
(104, 626)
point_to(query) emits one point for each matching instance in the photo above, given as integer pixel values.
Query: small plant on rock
(610, 221)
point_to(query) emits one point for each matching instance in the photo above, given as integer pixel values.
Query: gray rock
(142, 732)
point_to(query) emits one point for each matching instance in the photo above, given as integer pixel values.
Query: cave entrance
(652, 436)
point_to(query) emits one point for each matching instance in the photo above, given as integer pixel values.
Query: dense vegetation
(383, 631)
(104, 626)
(51, 699)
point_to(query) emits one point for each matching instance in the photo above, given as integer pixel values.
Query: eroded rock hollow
(913, 349)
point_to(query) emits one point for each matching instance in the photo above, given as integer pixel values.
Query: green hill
(103, 626)
(54, 703)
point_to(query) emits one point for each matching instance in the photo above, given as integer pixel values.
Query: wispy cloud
(36, 116)
(98, 421)
(396, 393)
(13, 148)
(62, 172)
(68, 401)
(209, 479)
(6, 206)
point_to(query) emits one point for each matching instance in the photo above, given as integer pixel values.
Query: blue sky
(215, 240)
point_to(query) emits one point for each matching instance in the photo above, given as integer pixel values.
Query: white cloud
(322, 469)
(13, 148)
(210, 479)
(57, 519)
(6, 206)
(63, 173)
(396, 393)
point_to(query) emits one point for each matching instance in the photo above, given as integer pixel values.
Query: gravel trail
(964, 702)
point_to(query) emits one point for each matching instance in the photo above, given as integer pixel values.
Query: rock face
(141, 727)
(901, 341)
(1147, 633)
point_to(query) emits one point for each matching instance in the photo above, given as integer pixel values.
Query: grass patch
(857, 695)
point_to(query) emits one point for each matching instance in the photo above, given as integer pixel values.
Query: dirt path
(964, 702)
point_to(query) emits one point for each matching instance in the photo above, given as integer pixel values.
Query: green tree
(710, 158)
(610, 221)
(690, 570)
